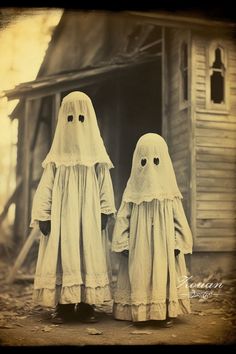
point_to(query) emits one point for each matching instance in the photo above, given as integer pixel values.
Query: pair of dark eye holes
(156, 161)
(81, 118)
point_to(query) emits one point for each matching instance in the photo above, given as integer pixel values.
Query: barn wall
(18, 225)
(35, 139)
(214, 151)
(178, 126)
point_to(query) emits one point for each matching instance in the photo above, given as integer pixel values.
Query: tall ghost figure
(151, 235)
(71, 206)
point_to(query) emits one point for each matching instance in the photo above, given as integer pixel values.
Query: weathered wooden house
(145, 72)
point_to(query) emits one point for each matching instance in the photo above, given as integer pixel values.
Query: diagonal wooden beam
(34, 234)
(10, 200)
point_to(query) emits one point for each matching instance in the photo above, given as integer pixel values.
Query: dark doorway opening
(128, 104)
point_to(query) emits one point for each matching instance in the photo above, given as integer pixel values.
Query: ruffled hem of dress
(148, 198)
(123, 297)
(71, 295)
(74, 162)
(68, 280)
(153, 311)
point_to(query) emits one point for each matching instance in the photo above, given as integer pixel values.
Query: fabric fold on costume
(151, 224)
(77, 138)
(75, 189)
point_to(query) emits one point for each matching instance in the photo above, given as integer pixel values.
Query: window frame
(183, 104)
(223, 106)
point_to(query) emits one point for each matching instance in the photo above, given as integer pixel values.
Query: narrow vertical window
(184, 70)
(217, 78)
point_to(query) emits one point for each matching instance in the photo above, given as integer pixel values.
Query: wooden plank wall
(178, 136)
(215, 151)
(33, 145)
(18, 225)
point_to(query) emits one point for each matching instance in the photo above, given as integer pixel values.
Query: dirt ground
(213, 321)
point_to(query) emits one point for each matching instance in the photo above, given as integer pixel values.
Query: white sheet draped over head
(77, 138)
(152, 175)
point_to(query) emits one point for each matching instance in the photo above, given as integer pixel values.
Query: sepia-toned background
(145, 71)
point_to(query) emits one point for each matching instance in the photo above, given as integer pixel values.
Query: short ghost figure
(152, 235)
(71, 205)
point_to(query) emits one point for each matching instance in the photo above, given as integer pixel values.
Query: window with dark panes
(184, 70)
(217, 78)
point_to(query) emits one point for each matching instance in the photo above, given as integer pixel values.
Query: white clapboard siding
(200, 73)
(216, 223)
(215, 157)
(178, 131)
(216, 133)
(222, 126)
(215, 244)
(232, 75)
(216, 196)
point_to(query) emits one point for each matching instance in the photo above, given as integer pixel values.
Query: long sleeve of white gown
(120, 239)
(183, 234)
(42, 202)
(106, 189)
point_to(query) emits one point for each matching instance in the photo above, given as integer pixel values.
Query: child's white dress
(73, 263)
(151, 224)
(149, 276)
